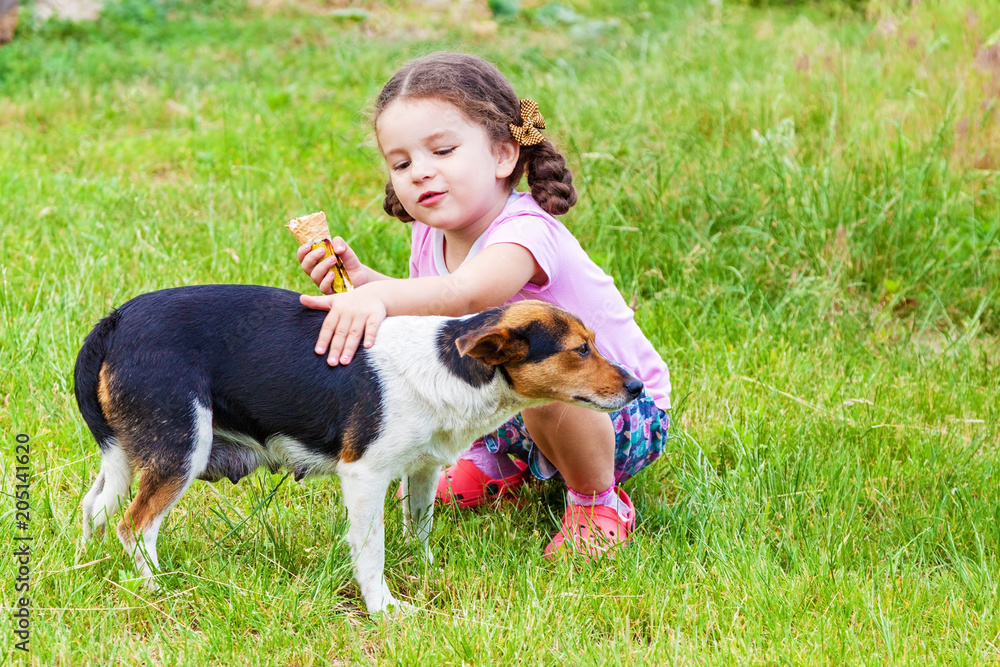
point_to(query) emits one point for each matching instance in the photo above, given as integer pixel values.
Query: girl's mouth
(430, 198)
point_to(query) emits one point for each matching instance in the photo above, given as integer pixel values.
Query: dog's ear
(494, 346)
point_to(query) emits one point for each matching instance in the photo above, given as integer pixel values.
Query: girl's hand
(317, 266)
(352, 315)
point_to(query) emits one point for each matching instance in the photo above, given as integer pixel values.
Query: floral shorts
(640, 437)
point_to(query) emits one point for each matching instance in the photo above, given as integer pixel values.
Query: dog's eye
(583, 350)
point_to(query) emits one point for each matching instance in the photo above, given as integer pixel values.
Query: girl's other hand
(352, 315)
(317, 265)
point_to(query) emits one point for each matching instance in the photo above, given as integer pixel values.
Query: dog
(213, 381)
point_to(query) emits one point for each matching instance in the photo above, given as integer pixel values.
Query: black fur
(468, 369)
(85, 375)
(545, 339)
(245, 351)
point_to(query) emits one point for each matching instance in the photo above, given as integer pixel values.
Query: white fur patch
(429, 414)
(109, 490)
(202, 441)
(293, 454)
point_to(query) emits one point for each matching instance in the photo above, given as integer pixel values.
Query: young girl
(456, 141)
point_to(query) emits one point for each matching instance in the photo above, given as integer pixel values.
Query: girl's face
(445, 170)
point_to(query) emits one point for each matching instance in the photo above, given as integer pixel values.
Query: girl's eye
(583, 350)
(445, 151)
(400, 166)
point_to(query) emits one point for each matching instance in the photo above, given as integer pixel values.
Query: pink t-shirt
(574, 283)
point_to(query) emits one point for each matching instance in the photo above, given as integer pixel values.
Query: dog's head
(548, 353)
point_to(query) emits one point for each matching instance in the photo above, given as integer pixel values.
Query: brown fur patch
(566, 375)
(492, 346)
(157, 492)
(104, 390)
(523, 313)
(350, 451)
(117, 416)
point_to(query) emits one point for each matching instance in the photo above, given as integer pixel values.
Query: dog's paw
(394, 609)
(91, 533)
(400, 609)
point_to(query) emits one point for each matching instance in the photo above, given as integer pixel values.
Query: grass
(802, 204)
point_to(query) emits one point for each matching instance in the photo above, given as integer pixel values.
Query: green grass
(803, 205)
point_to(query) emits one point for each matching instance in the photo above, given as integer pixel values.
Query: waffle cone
(310, 229)
(314, 230)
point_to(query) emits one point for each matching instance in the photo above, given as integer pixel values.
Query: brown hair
(483, 95)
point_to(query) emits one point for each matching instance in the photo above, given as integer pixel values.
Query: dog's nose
(634, 387)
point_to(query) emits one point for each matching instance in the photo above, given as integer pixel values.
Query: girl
(456, 141)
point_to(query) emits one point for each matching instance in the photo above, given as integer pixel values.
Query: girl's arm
(488, 279)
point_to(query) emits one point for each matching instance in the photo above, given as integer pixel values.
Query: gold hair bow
(527, 134)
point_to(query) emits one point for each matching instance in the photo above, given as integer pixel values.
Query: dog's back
(242, 351)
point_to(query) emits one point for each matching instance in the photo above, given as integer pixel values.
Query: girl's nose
(421, 170)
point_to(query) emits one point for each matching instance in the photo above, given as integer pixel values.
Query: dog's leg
(139, 528)
(88, 506)
(364, 496)
(108, 491)
(163, 482)
(419, 489)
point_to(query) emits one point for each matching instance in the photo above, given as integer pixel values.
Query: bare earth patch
(70, 10)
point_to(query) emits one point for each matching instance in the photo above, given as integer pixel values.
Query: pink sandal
(468, 486)
(593, 531)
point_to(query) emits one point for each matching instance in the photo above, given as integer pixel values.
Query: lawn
(801, 203)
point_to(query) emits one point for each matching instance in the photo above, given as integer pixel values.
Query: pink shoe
(468, 486)
(593, 531)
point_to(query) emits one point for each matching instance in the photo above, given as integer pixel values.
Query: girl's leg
(496, 466)
(579, 442)
(592, 451)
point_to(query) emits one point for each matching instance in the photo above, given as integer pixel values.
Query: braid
(550, 181)
(392, 205)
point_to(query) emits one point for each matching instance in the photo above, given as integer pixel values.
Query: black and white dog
(213, 381)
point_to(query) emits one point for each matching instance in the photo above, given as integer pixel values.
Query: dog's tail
(86, 377)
